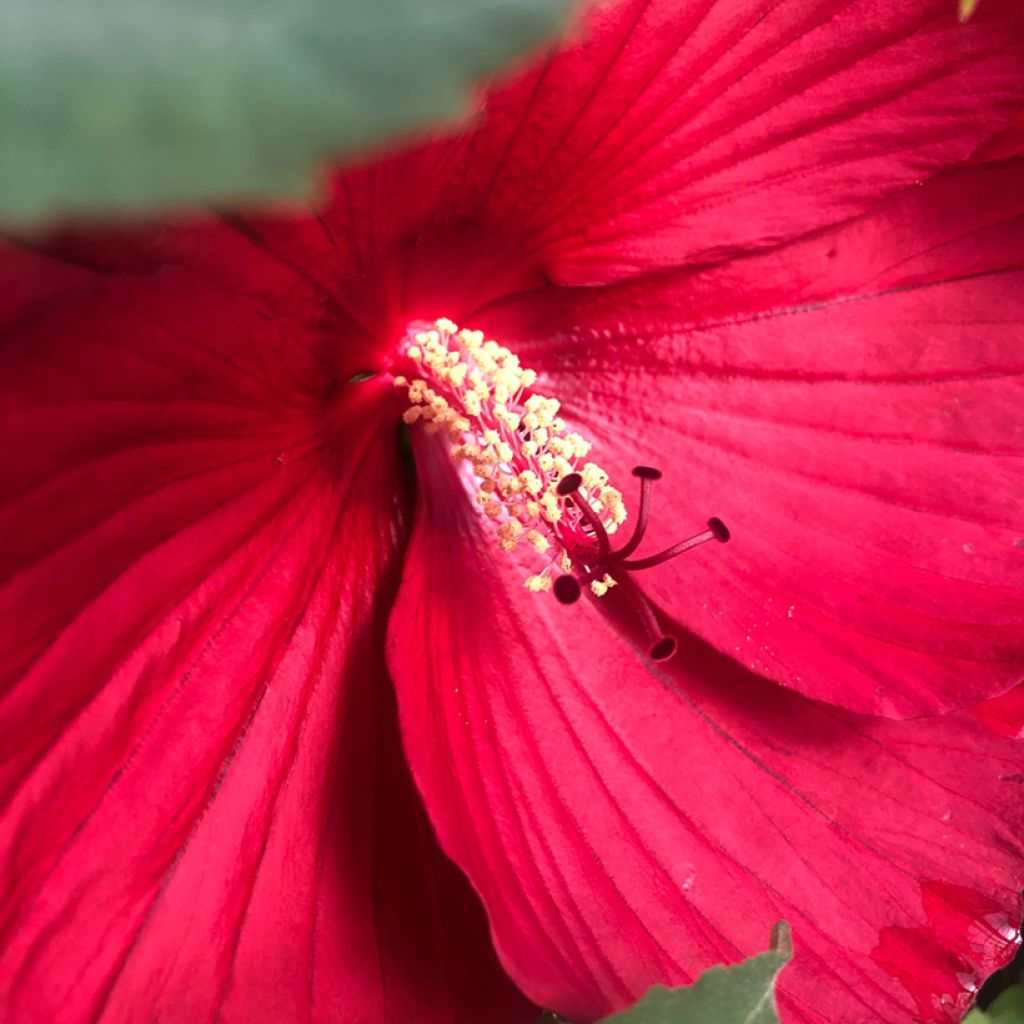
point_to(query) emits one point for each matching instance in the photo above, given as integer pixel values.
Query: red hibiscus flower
(739, 241)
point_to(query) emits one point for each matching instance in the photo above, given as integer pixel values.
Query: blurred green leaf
(1006, 1008)
(127, 105)
(744, 994)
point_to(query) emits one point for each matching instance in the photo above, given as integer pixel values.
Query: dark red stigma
(604, 560)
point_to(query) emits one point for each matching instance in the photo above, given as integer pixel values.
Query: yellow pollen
(601, 587)
(538, 540)
(515, 443)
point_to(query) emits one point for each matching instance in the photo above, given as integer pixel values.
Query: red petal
(206, 810)
(626, 826)
(850, 407)
(678, 133)
(1005, 713)
(1007, 144)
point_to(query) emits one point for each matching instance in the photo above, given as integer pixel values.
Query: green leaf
(131, 105)
(1007, 1008)
(744, 994)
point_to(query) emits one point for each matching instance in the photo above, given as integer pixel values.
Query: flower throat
(532, 478)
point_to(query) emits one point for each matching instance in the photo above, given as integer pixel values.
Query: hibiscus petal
(1005, 713)
(626, 825)
(669, 133)
(1006, 144)
(850, 408)
(206, 813)
(679, 133)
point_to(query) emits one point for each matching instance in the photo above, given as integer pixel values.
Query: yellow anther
(413, 352)
(537, 583)
(611, 498)
(603, 585)
(510, 530)
(579, 447)
(530, 481)
(412, 414)
(593, 476)
(538, 541)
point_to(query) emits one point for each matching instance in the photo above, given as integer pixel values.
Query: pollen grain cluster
(518, 447)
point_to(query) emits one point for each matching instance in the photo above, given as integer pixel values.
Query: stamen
(532, 479)
(517, 445)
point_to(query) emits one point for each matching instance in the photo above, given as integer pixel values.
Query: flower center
(531, 475)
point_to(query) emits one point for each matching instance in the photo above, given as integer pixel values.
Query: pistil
(532, 477)
(608, 564)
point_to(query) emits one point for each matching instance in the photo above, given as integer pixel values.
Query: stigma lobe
(603, 564)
